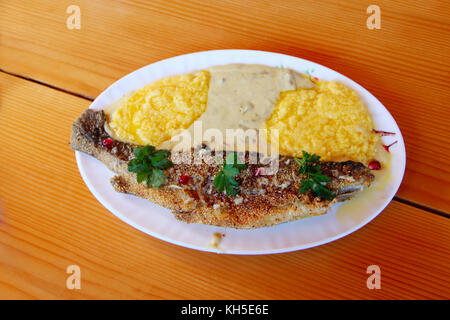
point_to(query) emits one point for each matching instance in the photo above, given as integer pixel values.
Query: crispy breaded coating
(262, 200)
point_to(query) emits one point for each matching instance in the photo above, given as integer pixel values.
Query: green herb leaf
(319, 177)
(219, 182)
(232, 159)
(305, 185)
(142, 176)
(149, 164)
(315, 180)
(320, 191)
(230, 171)
(224, 179)
(157, 178)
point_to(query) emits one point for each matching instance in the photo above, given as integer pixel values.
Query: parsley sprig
(315, 180)
(149, 163)
(224, 179)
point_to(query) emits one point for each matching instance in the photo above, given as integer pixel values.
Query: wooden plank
(405, 64)
(50, 221)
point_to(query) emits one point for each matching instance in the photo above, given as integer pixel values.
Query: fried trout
(262, 200)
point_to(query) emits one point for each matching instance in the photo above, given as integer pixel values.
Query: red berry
(184, 179)
(258, 171)
(387, 147)
(108, 143)
(374, 165)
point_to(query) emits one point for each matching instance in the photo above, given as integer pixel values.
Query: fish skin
(261, 202)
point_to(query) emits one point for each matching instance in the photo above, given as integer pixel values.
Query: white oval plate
(159, 222)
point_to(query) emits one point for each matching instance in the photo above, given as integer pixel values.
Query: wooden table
(50, 74)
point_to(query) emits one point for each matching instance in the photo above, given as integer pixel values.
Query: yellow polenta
(158, 111)
(329, 120)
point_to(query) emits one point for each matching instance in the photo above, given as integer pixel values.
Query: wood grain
(405, 64)
(50, 220)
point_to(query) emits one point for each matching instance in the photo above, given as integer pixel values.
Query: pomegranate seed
(258, 171)
(108, 143)
(387, 147)
(184, 179)
(374, 165)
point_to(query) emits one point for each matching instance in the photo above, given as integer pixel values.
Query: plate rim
(124, 218)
